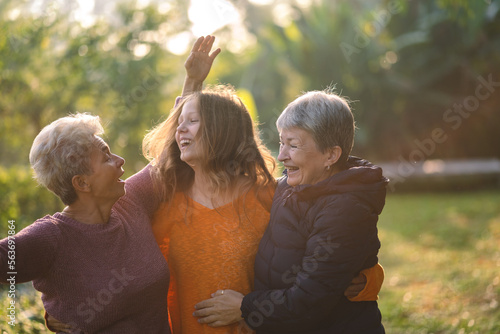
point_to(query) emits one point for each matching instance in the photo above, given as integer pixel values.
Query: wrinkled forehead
(294, 133)
(99, 146)
(99, 143)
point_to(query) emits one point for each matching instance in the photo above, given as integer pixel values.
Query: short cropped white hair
(62, 150)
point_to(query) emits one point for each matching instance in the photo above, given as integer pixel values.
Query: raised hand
(199, 61)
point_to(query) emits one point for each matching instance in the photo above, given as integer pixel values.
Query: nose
(283, 155)
(119, 161)
(181, 127)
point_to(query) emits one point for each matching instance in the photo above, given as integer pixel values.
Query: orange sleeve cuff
(374, 279)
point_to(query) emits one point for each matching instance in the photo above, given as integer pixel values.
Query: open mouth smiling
(184, 143)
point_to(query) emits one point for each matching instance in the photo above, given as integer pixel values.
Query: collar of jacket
(360, 176)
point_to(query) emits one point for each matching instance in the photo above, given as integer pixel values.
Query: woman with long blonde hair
(217, 185)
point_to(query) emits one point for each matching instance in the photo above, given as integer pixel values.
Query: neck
(88, 212)
(201, 181)
(202, 192)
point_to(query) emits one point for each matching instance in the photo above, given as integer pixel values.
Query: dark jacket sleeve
(30, 253)
(338, 246)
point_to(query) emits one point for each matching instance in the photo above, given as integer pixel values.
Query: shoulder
(43, 235)
(139, 182)
(281, 183)
(342, 213)
(337, 204)
(46, 226)
(281, 187)
(141, 193)
(265, 194)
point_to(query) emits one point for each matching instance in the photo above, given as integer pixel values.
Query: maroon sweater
(106, 278)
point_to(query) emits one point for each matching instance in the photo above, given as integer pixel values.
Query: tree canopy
(416, 71)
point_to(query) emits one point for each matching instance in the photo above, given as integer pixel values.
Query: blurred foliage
(29, 311)
(405, 64)
(409, 66)
(51, 66)
(22, 200)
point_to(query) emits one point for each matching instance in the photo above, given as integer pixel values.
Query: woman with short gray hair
(322, 231)
(313, 112)
(96, 262)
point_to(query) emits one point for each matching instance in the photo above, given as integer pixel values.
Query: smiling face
(186, 135)
(299, 154)
(105, 183)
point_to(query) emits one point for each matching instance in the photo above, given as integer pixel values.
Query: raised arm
(198, 64)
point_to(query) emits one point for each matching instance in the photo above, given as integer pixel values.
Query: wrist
(191, 85)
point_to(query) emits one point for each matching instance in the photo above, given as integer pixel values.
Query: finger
(214, 54)
(356, 287)
(197, 44)
(217, 293)
(353, 290)
(210, 43)
(56, 324)
(189, 60)
(217, 323)
(205, 42)
(207, 320)
(204, 304)
(359, 279)
(204, 312)
(350, 294)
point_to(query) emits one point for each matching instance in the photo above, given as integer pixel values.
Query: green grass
(441, 254)
(442, 259)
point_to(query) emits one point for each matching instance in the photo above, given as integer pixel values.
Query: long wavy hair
(230, 145)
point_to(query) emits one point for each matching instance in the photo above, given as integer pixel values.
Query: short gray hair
(62, 150)
(326, 116)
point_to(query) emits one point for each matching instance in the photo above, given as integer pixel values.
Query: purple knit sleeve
(141, 192)
(30, 253)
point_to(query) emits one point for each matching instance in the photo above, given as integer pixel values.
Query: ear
(332, 155)
(80, 183)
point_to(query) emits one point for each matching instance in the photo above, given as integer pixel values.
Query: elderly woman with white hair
(322, 230)
(96, 262)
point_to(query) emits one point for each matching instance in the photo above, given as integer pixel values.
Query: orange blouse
(207, 250)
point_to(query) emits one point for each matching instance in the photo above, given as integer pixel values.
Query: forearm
(191, 86)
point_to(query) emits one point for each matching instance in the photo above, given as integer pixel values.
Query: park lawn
(441, 255)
